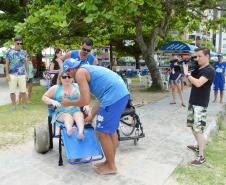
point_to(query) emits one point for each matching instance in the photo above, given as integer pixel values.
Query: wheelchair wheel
(127, 125)
(41, 138)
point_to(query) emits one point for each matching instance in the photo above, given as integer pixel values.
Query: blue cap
(70, 63)
(220, 55)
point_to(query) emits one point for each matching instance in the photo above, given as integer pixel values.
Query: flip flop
(171, 103)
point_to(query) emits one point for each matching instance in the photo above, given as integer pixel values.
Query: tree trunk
(137, 61)
(154, 72)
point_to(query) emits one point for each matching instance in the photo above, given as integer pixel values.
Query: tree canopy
(63, 23)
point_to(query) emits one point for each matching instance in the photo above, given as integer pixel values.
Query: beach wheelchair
(130, 127)
(77, 151)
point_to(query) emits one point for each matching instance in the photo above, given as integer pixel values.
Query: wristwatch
(187, 75)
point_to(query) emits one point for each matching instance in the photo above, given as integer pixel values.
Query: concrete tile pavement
(151, 162)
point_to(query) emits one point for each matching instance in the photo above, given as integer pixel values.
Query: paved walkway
(151, 162)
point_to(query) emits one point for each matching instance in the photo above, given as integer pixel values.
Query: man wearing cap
(16, 67)
(112, 95)
(84, 54)
(219, 80)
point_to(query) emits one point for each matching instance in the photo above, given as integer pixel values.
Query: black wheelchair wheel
(41, 138)
(127, 125)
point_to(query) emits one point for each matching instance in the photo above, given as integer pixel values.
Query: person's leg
(221, 96)
(23, 89)
(173, 92)
(29, 91)
(79, 119)
(13, 98)
(201, 143)
(12, 90)
(68, 122)
(108, 146)
(199, 126)
(215, 96)
(180, 94)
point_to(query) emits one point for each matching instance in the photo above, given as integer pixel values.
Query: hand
(86, 109)
(55, 103)
(185, 67)
(66, 102)
(27, 77)
(89, 118)
(8, 78)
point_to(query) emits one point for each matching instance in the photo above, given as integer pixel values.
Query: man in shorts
(201, 80)
(16, 67)
(112, 95)
(219, 80)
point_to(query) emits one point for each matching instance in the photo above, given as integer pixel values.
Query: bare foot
(99, 164)
(70, 131)
(80, 136)
(105, 170)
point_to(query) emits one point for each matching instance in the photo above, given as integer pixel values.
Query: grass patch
(213, 172)
(17, 126)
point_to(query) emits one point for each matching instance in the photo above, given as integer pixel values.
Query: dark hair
(88, 42)
(174, 61)
(205, 51)
(56, 65)
(18, 38)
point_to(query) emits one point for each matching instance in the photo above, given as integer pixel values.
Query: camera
(192, 63)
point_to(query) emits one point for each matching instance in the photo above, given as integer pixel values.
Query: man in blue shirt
(219, 80)
(16, 71)
(83, 54)
(112, 95)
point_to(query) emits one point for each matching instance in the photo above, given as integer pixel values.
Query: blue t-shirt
(220, 69)
(89, 60)
(17, 61)
(107, 86)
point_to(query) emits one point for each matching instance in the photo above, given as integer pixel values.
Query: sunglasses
(64, 77)
(19, 43)
(87, 50)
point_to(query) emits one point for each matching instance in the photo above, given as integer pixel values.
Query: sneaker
(193, 148)
(13, 108)
(199, 160)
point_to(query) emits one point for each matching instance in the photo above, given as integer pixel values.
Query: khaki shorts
(19, 80)
(196, 118)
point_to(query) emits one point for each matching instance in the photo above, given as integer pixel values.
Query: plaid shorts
(196, 118)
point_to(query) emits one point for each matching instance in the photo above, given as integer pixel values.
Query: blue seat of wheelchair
(87, 147)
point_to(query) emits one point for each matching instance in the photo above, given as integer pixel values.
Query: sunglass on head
(87, 50)
(19, 43)
(64, 77)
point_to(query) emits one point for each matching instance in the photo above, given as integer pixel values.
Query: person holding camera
(175, 81)
(200, 80)
(219, 79)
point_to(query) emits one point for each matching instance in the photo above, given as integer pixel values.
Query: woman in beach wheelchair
(65, 118)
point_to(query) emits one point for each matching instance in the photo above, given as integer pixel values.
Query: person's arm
(47, 98)
(196, 82)
(82, 77)
(51, 67)
(95, 62)
(93, 113)
(61, 59)
(7, 69)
